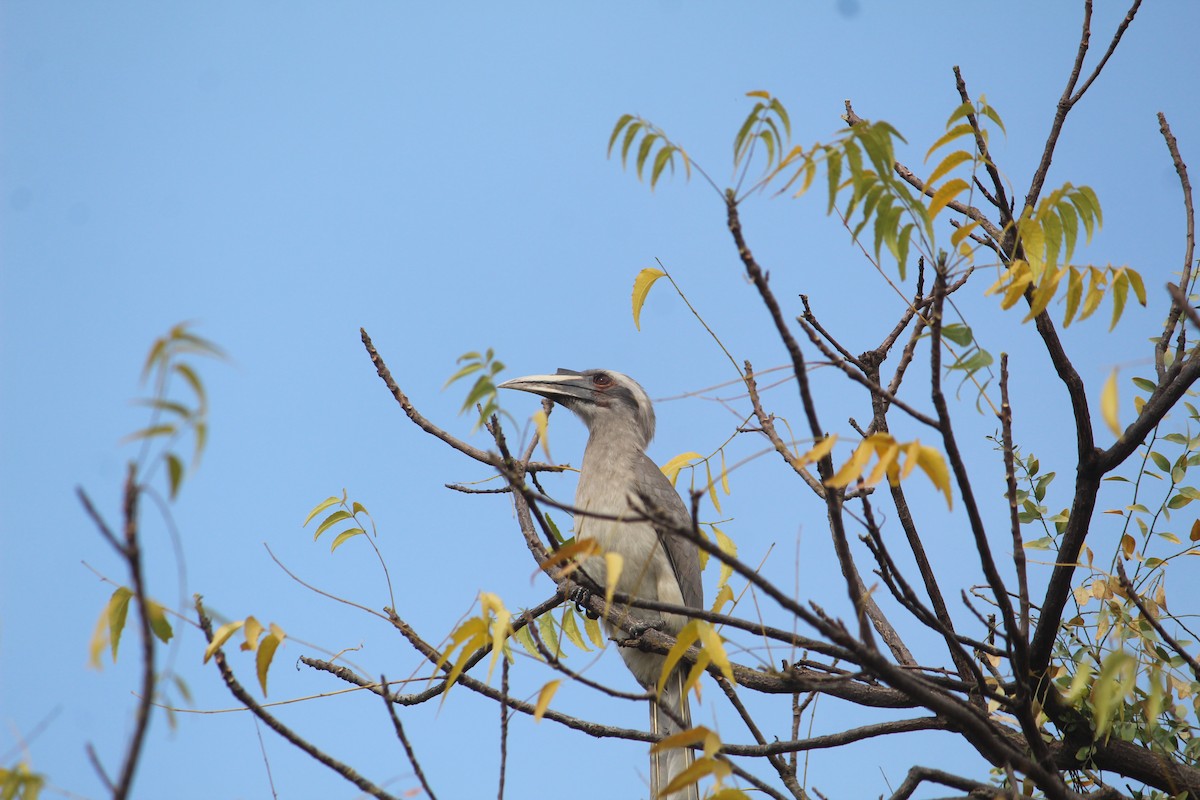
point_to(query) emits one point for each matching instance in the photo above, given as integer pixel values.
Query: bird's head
(603, 399)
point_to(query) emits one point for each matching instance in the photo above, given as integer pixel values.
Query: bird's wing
(683, 555)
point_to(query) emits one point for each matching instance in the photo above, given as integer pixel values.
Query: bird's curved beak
(564, 386)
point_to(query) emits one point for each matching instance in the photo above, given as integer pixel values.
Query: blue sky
(284, 173)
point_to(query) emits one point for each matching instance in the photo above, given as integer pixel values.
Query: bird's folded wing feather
(682, 554)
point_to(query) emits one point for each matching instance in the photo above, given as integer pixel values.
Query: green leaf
(644, 151)
(150, 432)
(174, 474)
(624, 120)
(193, 380)
(118, 611)
(660, 161)
(324, 504)
(159, 624)
(464, 372)
(571, 628)
(345, 535)
(330, 521)
(958, 333)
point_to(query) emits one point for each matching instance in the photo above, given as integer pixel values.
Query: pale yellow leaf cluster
(712, 651)
(707, 763)
(263, 642)
(490, 628)
(895, 461)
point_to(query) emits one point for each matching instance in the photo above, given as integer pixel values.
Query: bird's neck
(607, 472)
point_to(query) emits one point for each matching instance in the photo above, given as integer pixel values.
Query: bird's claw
(580, 595)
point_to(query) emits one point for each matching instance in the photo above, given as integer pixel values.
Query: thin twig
(408, 749)
(243, 697)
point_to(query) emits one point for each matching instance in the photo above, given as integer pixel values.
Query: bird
(617, 479)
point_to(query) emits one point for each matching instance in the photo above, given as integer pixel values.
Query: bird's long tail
(667, 764)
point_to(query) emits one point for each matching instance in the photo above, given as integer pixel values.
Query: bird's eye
(601, 380)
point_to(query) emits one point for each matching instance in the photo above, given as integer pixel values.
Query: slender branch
(129, 549)
(1189, 250)
(408, 749)
(503, 705)
(1171, 642)
(786, 774)
(243, 697)
(1010, 479)
(1070, 96)
(424, 424)
(1000, 199)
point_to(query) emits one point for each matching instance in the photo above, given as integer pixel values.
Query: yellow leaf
(253, 629)
(683, 640)
(593, 631)
(641, 287)
(100, 638)
(1128, 546)
(887, 459)
(491, 604)
(671, 468)
(221, 636)
(727, 547)
(697, 735)
(852, 468)
(266, 652)
(1044, 292)
(931, 461)
(725, 596)
(820, 451)
(1108, 404)
(712, 487)
(948, 191)
(542, 423)
(962, 232)
(912, 452)
(714, 647)
(759, 93)
(613, 564)
(544, 697)
(724, 474)
(948, 163)
(575, 552)
(699, 769)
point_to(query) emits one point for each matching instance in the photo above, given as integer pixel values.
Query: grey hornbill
(616, 479)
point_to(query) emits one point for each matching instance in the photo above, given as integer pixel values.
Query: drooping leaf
(641, 288)
(671, 468)
(1109, 404)
(324, 504)
(118, 612)
(544, 697)
(266, 652)
(571, 628)
(220, 636)
(160, 626)
(344, 536)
